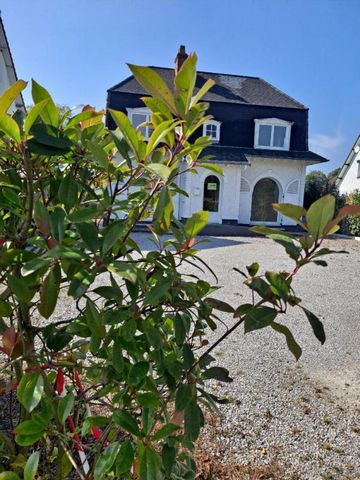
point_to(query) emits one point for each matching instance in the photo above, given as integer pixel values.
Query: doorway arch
(265, 193)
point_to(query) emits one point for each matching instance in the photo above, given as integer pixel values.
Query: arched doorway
(265, 193)
(212, 198)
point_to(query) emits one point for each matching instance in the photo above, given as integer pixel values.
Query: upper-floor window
(139, 116)
(212, 129)
(272, 133)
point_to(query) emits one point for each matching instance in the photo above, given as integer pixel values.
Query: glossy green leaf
(57, 224)
(129, 132)
(117, 355)
(219, 305)
(31, 466)
(126, 421)
(316, 325)
(20, 288)
(165, 431)
(126, 270)
(42, 217)
(65, 407)
(30, 390)
(68, 192)
(10, 127)
(212, 167)
(192, 421)
(279, 285)
(49, 292)
(202, 91)
(154, 84)
(9, 476)
(159, 135)
(160, 170)
(89, 235)
(319, 215)
(168, 458)
(138, 372)
(106, 460)
(163, 212)
(33, 115)
(150, 465)
(95, 320)
(259, 317)
(113, 233)
(295, 212)
(196, 223)
(125, 458)
(83, 214)
(30, 427)
(292, 344)
(183, 397)
(49, 112)
(9, 96)
(5, 308)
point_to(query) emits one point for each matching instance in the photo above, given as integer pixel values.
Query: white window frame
(217, 124)
(141, 111)
(273, 122)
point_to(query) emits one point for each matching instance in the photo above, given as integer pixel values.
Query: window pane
(279, 136)
(137, 119)
(210, 130)
(211, 194)
(264, 135)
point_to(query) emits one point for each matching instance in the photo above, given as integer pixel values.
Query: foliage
(118, 387)
(316, 186)
(352, 224)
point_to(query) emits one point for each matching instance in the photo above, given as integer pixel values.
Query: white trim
(217, 124)
(141, 111)
(273, 122)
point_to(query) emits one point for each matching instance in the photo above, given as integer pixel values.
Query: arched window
(211, 194)
(266, 192)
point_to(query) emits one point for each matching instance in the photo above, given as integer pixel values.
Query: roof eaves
(347, 162)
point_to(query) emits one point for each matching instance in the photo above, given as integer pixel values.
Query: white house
(7, 69)
(260, 140)
(349, 176)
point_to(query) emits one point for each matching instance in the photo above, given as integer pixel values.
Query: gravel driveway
(303, 416)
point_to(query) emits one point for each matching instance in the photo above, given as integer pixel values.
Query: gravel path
(302, 415)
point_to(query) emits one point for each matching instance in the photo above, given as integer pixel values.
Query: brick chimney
(180, 58)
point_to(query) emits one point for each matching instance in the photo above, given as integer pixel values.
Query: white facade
(349, 177)
(7, 70)
(236, 189)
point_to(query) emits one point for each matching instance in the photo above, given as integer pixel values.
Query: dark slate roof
(243, 155)
(228, 88)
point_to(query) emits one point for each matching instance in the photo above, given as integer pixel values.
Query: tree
(135, 343)
(316, 185)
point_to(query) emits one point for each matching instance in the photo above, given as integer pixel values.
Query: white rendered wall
(350, 180)
(236, 205)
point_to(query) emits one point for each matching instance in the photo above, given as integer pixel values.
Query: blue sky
(307, 48)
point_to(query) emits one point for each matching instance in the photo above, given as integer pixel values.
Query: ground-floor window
(266, 192)
(211, 194)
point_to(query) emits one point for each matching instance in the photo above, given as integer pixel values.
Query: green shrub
(353, 222)
(118, 388)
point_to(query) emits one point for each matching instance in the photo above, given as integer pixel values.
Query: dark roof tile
(228, 88)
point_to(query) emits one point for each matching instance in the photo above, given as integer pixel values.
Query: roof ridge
(214, 73)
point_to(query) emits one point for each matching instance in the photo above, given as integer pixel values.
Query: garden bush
(117, 388)
(352, 224)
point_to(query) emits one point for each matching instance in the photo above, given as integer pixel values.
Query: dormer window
(212, 129)
(137, 117)
(272, 133)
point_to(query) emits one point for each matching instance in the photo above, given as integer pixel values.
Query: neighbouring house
(259, 138)
(7, 69)
(348, 179)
